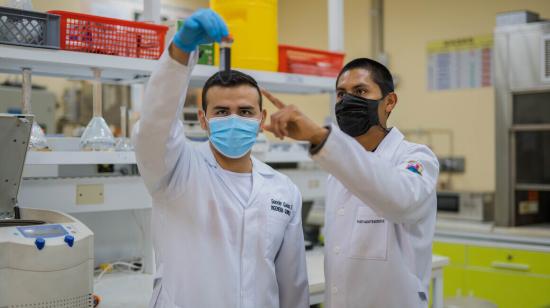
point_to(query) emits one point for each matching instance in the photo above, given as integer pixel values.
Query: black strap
(315, 148)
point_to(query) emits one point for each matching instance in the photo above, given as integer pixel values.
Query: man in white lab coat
(227, 228)
(381, 198)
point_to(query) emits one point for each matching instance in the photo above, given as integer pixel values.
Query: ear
(202, 119)
(264, 117)
(391, 102)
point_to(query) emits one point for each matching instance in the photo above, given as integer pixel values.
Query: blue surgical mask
(233, 136)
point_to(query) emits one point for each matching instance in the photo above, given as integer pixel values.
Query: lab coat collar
(389, 144)
(257, 166)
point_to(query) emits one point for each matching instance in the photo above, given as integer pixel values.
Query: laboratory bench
(128, 289)
(536, 237)
(509, 266)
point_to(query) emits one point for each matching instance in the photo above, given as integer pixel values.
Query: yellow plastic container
(253, 25)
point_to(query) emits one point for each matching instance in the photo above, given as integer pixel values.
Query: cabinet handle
(511, 266)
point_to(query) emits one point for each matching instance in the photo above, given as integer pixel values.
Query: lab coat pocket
(369, 239)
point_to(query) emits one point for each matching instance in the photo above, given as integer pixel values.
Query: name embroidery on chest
(370, 221)
(281, 207)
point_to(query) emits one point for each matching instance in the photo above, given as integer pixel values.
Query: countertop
(127, 289)
(534, 236)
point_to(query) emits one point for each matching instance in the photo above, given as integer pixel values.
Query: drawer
(509, 259)
(508, 289)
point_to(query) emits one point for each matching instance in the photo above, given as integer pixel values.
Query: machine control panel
(43, 231)
(40, 233)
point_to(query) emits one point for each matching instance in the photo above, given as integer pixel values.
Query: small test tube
(225, 53)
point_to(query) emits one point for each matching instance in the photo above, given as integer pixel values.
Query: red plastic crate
(300, 60)
(110, 36)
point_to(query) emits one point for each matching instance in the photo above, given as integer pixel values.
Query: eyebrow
(240, 108)
(357, 86)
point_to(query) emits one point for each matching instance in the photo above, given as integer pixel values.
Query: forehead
(233, 96)
(354, 77)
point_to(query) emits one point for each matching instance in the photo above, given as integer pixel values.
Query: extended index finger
(277, 102)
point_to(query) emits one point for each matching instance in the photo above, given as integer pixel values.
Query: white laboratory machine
(46, 257)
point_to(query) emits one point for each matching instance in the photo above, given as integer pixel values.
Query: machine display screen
(42, 231)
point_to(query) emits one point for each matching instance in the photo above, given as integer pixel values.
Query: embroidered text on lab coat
(370, 221)
(281, 207)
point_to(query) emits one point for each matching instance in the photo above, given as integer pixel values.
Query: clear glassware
(38, 139)
(124, 144)
(20, 4)
(98, 135)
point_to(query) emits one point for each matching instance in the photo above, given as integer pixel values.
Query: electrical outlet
(89, 194)
(313, 184)
(452, 164)
(528, 207)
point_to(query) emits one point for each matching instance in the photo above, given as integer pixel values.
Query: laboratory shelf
(79, 158)
(115, 69)
(74, 65)
(91, 158)
(66, 151)
(116, 193)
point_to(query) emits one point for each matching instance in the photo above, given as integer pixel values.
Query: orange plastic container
(110, 36)
(300, 60)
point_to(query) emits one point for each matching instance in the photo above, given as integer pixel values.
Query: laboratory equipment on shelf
(307, 61)
(98, 135)
(110, 36)
(522, 123)
(253, 24)
(37, 139)
(20, 4)
(46, 257)
(124, 144)
(466, 205)
(21, 26)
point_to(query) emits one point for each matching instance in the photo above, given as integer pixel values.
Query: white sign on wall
(460, 63)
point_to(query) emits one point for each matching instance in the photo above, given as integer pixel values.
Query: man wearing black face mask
(380, 202)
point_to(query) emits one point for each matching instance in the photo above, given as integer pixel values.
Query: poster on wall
(460, 63)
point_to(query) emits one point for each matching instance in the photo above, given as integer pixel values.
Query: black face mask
(355, 115)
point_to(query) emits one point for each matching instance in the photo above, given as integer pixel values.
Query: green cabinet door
(510, 278)
(453, 274)
(534, 262)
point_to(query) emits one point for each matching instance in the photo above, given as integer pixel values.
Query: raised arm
(158, 137)
(396, 192)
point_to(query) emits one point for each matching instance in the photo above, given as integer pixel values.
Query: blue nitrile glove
(203, 27)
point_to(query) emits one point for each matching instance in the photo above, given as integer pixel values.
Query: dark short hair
(379, 73)
(229, 79)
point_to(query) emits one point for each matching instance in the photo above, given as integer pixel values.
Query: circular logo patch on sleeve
(415, 166)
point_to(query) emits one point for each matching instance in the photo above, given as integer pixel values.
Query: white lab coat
(380, 222)
(211, 250)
